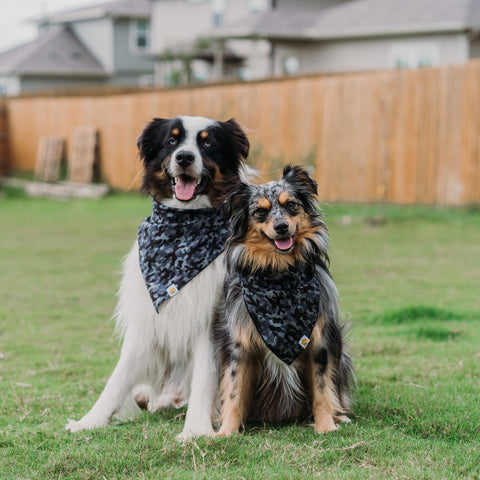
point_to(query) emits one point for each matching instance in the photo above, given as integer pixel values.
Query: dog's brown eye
(261, 212)
(291, 204)
(172, 141)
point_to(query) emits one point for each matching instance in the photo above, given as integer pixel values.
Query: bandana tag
(172, 290)
(304, 341)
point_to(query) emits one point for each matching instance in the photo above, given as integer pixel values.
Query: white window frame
(414, 55)
(9, 86)
(255, 6)
(135, 35)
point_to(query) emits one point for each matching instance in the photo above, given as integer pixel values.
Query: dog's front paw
(73, 426)
(341, 419)
(325, 425)
(184, 436)
(85, 423)
(224, 433)
(189, 434)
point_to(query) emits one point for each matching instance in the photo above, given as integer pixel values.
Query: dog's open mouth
(186, 188)
(284, 244)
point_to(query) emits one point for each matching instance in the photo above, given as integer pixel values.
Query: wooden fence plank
(3, 136)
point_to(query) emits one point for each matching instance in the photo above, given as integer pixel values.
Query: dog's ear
(235, 207)
(299, 177)
(151, 139)
(305, 186)
(237, 137)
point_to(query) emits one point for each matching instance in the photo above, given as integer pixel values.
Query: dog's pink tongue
(184, 189)
(284, 243)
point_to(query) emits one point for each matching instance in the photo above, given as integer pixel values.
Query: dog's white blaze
(192, 126)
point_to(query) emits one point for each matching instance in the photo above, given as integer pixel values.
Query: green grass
(409, 285)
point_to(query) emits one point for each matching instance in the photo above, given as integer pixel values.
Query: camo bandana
(284, 308)
(175, 245)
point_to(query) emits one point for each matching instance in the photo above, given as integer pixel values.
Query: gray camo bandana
(284, 307)
(175, 245)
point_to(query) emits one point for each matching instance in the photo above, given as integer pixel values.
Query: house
(171, 42)
(346, 35)
(103, 44)
(181, 41)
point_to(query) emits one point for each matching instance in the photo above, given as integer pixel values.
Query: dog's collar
(175, 245)
(284, 307)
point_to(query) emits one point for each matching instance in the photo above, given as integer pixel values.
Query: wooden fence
(396, 136)
(3, 136)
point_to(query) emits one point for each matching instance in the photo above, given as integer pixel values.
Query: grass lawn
(409, 281)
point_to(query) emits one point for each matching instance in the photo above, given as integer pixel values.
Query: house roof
(358, 18)
(56, 52)
(115, 9)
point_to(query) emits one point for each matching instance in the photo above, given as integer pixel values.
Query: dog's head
(191, 158)
(276, 224)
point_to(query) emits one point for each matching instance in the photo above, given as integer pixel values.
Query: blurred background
(379, 98)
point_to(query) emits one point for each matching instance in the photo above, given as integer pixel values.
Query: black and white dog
(277, 332)
(173, 275)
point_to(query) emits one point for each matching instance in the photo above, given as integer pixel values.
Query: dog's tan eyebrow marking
(263, 202)
(204, 134)
(284, 197)
(175, 131)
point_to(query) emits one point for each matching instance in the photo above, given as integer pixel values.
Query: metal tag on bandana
(283, 307)
(175, 245)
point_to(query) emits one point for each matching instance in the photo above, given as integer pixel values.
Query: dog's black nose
(281, 227)
(185, 158)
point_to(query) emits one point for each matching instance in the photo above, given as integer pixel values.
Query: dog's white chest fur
(180, 320)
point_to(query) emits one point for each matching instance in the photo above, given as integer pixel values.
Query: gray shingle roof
(56, 52)
(359, 18)
(116, 9)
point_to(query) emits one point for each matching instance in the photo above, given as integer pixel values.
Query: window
(217, 8)
(142, 35)
(291, 65)
(217, 19)
(414, 55)
(258, 5)
(9, 85)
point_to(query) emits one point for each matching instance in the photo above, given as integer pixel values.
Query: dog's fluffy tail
(346, 381)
